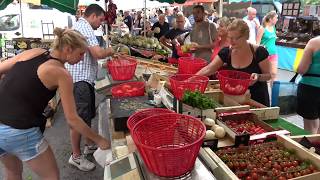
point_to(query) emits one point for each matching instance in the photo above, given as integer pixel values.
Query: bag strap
(311, 75)
(252, 51)
(293, 79)
(209, 29)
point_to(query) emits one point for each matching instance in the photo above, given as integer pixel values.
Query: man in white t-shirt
(253, 23)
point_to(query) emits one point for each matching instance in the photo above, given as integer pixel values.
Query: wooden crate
(217, 95)
(223, 172)
(246, 138)
(295, 140)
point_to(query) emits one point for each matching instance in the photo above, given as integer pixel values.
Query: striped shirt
(85, 70)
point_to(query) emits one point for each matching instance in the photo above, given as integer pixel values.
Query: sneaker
(82, 163)
(89, 149)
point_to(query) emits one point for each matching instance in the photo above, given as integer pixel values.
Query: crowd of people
(70, 67)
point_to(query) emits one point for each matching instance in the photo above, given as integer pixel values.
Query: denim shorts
(25, 144)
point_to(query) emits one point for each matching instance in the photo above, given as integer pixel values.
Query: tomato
(119, 91)
(134, 89)
(254, 176)
(282, 178)
(289, 176)
(126, 86)
(297, 174)
(248, 178)
(295, 163)
(311, 167)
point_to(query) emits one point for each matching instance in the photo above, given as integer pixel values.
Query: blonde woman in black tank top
(30, 81)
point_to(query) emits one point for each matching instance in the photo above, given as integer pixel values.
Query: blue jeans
(25, 144)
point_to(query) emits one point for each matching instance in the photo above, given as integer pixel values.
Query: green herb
(198, 100)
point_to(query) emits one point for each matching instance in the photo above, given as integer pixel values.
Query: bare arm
(306, 58)
(211, 68)
(65, 85)
(259, 35)
(100, 53)
(165, 41)
(265, 67)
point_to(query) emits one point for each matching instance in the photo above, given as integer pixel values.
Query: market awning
(4, 3)
(193, 2)
(171, 1)
(69, 6)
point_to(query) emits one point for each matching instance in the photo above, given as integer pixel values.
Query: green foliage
(198, 100)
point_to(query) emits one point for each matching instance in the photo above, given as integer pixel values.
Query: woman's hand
(103, 143)
(254, 78)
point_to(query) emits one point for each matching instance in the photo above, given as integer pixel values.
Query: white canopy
(137, 4)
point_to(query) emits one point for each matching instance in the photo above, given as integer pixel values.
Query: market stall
(231, 121)
(294, 31)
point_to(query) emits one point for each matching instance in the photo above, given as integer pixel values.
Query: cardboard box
(222, 172)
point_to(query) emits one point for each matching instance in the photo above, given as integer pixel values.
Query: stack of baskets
(168, 142)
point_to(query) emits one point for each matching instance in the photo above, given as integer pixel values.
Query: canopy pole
(21, 18)
(145, 18)
(220, 8)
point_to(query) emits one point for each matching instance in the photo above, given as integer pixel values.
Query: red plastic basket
(190, 65)
(169, 143)
(172, 61)
(122, 69)
(182, 82)
(233, 82)
(181, 53)
(140, 115)
(129, 89)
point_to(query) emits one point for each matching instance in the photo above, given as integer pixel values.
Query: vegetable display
(244, 126)
(198, 100)
(265, 161)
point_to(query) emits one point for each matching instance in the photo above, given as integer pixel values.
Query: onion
(210, 135)
(209, 122)
(220, 132)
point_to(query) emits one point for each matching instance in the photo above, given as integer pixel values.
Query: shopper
(246, 57)
(31, 80)
(222, 39)
(84, 74)
(203, 34)
(253, 23)
(309, 86)
(170, 39)
(128, 20)
(163, 25)
(267, 37)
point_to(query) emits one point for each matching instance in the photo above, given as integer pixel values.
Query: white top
(253, 29)
(86, 69)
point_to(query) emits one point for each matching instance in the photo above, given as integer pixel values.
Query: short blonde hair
(68, 37)
(240, 26)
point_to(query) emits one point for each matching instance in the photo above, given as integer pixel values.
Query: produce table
(204, 161)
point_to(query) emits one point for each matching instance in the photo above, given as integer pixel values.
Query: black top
(23, 96)
(259, 90)
(129, 22)
(163, 29)
(171, 34)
